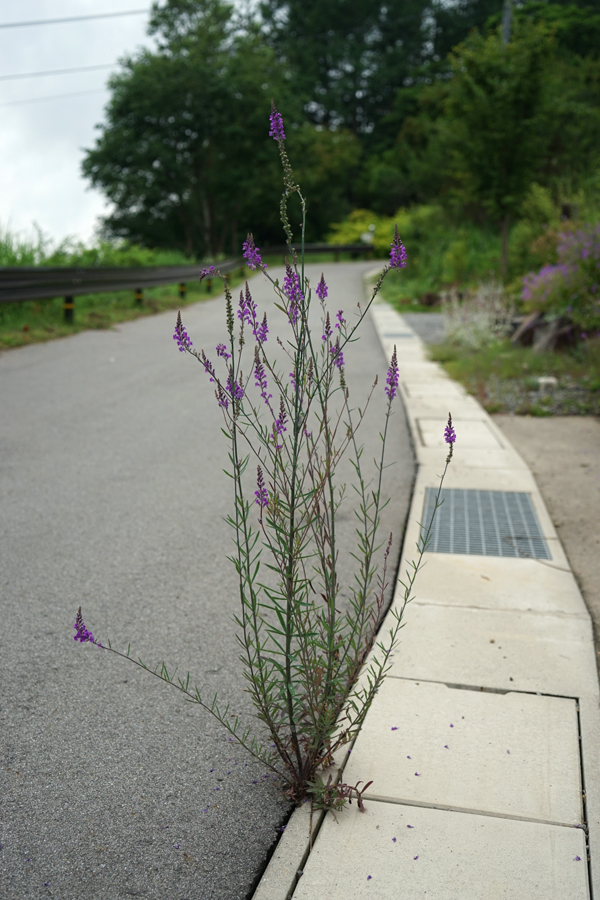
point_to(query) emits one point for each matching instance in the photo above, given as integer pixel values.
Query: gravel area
(113, 497)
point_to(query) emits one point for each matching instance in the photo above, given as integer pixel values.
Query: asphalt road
(112, 496)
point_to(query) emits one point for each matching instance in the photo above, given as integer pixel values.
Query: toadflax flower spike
(276, 131)
(450, 437)
(397, 252)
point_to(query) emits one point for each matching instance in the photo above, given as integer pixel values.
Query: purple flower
(340, 319)
(208, 272)
(446, 747)
(394, 840)
(235, 389)
(276, 131)
(449, 437)
(261, 331)
(322, 289)
(261, 494)
(181, 336)
(397, 252)
(208, 366)
(222, 351)
(395, 728)
(83, 634)
(260, 378)
(280, 424)
(293, 291)
(577, 859)
(222, 398)
(418, 774)
(369, 877)
(251, 254)
(391, 380)
(415, 857)
(247, 308)
(410, 826)
(337, 357)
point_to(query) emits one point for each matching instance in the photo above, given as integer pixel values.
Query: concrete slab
(483, 458)
(474, 433)
(443, 855)
(446, 390)
(514, 755)
(496, 649)
(491, 582)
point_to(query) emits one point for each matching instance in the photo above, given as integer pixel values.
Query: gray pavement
(430, 327)
(113, 497)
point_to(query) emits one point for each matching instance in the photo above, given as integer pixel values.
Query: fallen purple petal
(415, 857)
(394, 840)
(410, 826)
(577, 859)
(395, 728)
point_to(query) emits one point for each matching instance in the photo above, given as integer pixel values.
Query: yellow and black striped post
(182, 290)
(69, 308)
(139, 296)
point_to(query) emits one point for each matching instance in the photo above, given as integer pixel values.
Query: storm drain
(484, 523)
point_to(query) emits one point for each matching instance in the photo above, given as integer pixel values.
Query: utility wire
(113, 15)
(52, 97)
(56, 72)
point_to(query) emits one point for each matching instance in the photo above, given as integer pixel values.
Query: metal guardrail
(21, 283)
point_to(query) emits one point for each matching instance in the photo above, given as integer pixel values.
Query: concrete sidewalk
(483, 744)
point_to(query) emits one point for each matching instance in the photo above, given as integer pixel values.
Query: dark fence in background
(21, 283)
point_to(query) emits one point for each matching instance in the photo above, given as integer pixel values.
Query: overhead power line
(56, 72)
(52, 97)
(113, 15)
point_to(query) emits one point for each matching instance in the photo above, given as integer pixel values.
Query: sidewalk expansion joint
(552, 614)
(486, 690)
(444, 807)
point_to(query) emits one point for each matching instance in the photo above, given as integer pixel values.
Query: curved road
(113, 497)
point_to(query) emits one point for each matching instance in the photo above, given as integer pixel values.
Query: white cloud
(41, 143)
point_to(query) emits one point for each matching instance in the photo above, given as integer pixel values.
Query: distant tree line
(386, 104)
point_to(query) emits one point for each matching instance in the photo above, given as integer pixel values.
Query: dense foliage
(390, 105)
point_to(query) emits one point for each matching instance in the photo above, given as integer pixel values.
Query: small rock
(547, 383)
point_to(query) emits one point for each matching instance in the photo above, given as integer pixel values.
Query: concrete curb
(538, 613)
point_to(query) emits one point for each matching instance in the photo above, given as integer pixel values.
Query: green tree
(184, 155)
(496, 123)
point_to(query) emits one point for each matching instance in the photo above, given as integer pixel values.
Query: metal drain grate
(484, 523)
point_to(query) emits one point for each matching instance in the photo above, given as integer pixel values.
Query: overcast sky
(42, 142)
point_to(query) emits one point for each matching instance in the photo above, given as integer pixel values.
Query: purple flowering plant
(302, 645)
(570, 289)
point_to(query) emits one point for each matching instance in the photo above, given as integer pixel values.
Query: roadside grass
(403, 294)
(504, 378)
(34, 321)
